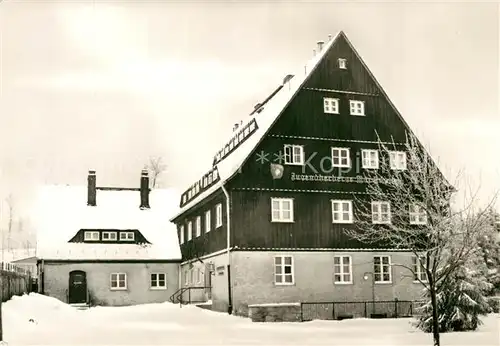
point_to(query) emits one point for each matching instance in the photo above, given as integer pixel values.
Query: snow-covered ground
(55, 323)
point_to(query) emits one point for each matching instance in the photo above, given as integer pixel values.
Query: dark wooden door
(77, 291)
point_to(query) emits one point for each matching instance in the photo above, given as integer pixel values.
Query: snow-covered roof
(62, 211)
(265, 118)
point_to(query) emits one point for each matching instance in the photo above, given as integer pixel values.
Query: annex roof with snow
(104, 223)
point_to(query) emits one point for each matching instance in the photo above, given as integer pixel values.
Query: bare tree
(10, 205)
(156, 167)
(419, 218)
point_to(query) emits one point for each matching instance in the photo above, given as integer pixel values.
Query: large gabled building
(266, 223)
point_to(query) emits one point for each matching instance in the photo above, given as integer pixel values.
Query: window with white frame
(369, 158)
(181, 234)
(198, 226)
(118, 281)
(208, 222)
(419, 269)
(331, 105)
(381, 212)
(341, 157)
(127, 236)
(342, 270)
(341, 211)
(418, 215)
(397, 160)
(283, 270)
(357, 107)
(91, 236)
(190, 230)
(294, 154)
(342, 63)
(218, 215)
(281, 209)
(382, 269)
(158, 281)
(109, 236)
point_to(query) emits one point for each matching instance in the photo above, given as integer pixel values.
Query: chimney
(235, 127)
(329, 37)
(91, 189)
(320, 45)
(144, 189)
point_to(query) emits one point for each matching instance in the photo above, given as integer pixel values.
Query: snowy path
(167, 324)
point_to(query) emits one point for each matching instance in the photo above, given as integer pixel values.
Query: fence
(367, 309)
(14, 280)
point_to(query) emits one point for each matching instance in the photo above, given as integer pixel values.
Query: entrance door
(77, 292)
(208, 282)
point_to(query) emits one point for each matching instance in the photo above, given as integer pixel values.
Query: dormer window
(342, 63)
(127, 236)
(91, 236)
(109, 236)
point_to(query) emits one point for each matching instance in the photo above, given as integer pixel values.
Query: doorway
(77, 291)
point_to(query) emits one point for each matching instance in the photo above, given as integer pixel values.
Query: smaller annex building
(107, 245)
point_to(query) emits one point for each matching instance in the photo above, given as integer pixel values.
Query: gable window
(281, 209)
(181, 234)
(218, 215)
(341, 157)
(283, 270)
(331, 105)
(342, 63)
(208, 222)
(198, 226)
(294, 154)
(91, 236)
(118, 281)
(127, 236)
(419, 269)
(418, 215)
(382, 269)
(341, 211)
(158, 281)
(397, 159)
(342, 270)
(109, 236)
(369, 158)
(190, 230)
(381, 212)
(357, 107)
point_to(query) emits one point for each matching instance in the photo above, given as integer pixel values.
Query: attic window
(109, 236)
(89, 236)
(342, 63)
(127, 236)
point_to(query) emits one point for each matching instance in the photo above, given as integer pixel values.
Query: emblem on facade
(277, 170)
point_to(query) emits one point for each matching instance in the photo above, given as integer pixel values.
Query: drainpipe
(228, 226)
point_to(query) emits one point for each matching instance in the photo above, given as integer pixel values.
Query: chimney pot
(91, 188)
(329, 37)
(144, 190)
(320, 45)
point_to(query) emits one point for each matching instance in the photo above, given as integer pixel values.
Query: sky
(105, 85)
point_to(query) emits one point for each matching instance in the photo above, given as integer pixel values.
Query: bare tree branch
(156, 167)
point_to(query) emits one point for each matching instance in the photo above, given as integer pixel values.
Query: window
(341, 211)
(357, 107)
(283, 270)
(382, 269)
(342, 63)
(208, 222)
(109, 236)
(91, 236)
(181, 235)
(158, 281)
(281, 210)
(190, 230)
(397, 159)
(418, 215)
(118, 281)
(419, 269)
(369, 158)
(218, 215)
(198, 276)
(191, 276)
(381, 212)
(186, 277)
(341, 157)
(198, 226)
(331, 105)
(294, 154)
(342, 270)
(127, 236)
